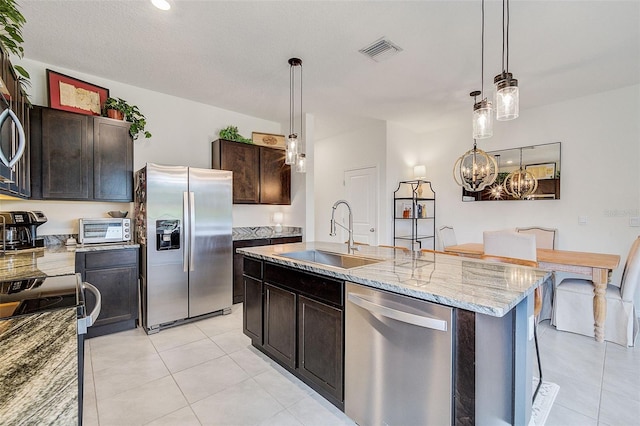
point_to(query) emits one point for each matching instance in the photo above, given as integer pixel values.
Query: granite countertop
(259, 232)
(49, 261)
(475, 285)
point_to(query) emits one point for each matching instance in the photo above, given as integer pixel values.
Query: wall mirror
(541, 161)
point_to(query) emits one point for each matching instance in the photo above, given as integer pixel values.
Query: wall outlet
(634, 221)
(583, 220)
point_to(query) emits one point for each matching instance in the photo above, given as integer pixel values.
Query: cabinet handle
(372, 230)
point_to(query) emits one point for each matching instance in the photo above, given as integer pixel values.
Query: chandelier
(482, 110)
(496, 191)
(293, 154)
(475, 170)
(507, 92)
(520, 184)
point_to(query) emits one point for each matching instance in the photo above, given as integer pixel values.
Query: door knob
(372, 230)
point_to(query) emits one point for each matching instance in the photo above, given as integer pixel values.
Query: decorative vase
(114, 113)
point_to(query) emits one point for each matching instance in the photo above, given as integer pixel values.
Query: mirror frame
(546, 169)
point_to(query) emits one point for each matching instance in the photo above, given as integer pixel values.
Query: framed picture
(542, 171)
(70, 94)
(269, 139)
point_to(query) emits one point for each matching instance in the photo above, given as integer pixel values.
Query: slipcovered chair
(447, 237)
(520, 249)
(573, 307)
(546, 238)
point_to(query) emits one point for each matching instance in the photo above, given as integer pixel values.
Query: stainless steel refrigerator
(183, 218)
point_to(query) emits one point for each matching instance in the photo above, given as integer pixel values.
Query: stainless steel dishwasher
(398, 359)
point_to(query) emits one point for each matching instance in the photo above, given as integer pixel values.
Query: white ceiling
(233, 54)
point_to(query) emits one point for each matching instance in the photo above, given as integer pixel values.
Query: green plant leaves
(231, 133)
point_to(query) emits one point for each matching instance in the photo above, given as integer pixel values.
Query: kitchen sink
(345, 261)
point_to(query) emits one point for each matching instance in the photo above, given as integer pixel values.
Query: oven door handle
(90, 319)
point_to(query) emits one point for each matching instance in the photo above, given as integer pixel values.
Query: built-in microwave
(103, 230)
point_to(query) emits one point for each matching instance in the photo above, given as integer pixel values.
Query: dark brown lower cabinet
(115, 274)
(238, 288)
(320, 344)
(302, 323)
(280, 324)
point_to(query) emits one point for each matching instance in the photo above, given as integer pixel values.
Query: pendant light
(520, 184)
(482, 110)
(293, 155)
(507, 92)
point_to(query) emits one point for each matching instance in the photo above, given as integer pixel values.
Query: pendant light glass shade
(292, 149)
(301, 163)
(482, 120)
(507, 92)
(475, 170)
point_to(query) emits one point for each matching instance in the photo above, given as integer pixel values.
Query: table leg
(600, 278)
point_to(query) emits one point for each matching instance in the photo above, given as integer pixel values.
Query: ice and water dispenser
(167, 235)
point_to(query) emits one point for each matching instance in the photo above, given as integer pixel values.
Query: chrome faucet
(350, 245)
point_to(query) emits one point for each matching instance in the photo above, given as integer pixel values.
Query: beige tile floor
(207, 373)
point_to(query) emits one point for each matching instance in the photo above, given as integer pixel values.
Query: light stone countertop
(50, 261)
(475, 285)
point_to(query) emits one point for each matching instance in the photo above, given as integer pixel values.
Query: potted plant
(119, 109)
(230, 133)
(11, 22)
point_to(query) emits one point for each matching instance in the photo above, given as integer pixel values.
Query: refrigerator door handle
(192, 230)
(185, 233)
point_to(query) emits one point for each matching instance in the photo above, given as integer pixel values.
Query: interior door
(361, 191)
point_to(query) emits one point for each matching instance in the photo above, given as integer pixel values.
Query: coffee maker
(19, 230)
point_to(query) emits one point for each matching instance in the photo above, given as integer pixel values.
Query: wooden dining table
(595, 265)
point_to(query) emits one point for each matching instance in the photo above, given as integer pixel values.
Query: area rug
(542, 405)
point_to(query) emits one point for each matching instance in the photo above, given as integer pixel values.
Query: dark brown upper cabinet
(260, 175)
(80, 157)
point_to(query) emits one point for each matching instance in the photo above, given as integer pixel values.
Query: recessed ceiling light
(161, 4)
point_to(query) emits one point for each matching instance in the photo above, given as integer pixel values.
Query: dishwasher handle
(90, 319)
(406, 317)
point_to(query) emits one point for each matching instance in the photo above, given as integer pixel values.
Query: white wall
(364, 146)
(182, 133)
(600, 177)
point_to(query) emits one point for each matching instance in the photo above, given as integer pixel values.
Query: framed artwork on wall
(542, 171)
(70, 94)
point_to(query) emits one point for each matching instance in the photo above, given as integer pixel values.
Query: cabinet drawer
(110, 258)
(286, 240)
(252, 267)
(315, 286)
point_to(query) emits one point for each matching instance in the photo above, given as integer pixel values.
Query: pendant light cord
(482, 59)
(301, 138)
(507, 37)
(291, 100)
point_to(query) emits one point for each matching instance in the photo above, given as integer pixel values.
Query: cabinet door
(275, 177)
(243, 160)
(320, 347)
(113, 160)
(67, 155)
(119, 294)
(285, 240)
(252, 312)
(280, 324)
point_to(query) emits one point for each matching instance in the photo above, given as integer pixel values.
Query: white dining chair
(573, 305)
(512, 247)
(545, 237)
(447, 237)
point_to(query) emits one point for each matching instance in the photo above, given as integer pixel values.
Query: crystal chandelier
(507, 92)
(293, 154)
(496, 191)
(475, 170)
(520, 184)
(482, 110)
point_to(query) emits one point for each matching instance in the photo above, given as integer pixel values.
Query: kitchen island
(295, 313)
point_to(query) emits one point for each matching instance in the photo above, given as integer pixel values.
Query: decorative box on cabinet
(80, 157)
(414, 217)
(238, 288)
(260, 175)
(115, 274)
(14, 181)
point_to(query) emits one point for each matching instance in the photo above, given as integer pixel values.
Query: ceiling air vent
(380, 50)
